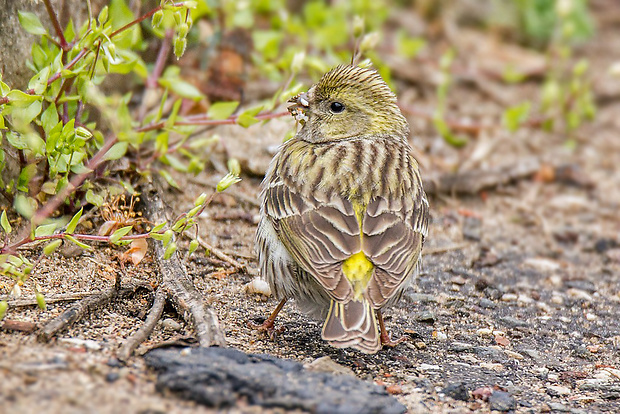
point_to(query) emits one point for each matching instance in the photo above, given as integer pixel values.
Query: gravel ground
(517, 307)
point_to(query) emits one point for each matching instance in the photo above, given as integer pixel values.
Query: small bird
(343, 214)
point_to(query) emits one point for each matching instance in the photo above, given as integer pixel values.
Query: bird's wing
(393, 234)
(320, 232)
(323, 231)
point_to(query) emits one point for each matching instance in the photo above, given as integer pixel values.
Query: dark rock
(490, 353)
(602, 245)
(112, 376)
(492, 293)
(511, 322)
(472, 228)
(581, 284)
(611, 396)
(114, 363)
(502, 401)
(219, 377)
(425, 316)
(457, 390)
(487, 304)
(558, 407)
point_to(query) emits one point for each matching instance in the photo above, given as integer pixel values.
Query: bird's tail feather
(352, 324)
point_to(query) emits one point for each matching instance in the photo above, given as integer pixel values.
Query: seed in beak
(303, 101)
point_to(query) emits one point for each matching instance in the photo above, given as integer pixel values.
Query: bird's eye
(336, 107)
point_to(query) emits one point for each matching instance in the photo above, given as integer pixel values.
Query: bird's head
(348, 102)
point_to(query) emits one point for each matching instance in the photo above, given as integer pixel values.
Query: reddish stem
(59, 32)
(203, 120)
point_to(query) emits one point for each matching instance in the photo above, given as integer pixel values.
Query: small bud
(580, 68)
(112, 50)
(193, 245)
(177, 17)
(200, 200)
(298, 62)
(179, 47)
(358, 26)
(234, 167)
(158, 17)
(369, 42)
(103, 15)
(564, 7)
(83, 133)
(183, 30)
(228, 180)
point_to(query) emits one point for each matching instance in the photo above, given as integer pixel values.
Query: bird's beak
(299, 107)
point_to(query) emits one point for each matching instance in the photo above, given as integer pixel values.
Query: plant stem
(59, 32)
(202, 120)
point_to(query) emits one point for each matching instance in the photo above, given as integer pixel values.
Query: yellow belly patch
(358, 270)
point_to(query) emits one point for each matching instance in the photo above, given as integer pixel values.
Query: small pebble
(258, 286)
(509, 297)
(557, 390)
(457, 391)
(487, 304)
(326, 364)
(502, 401)
(428, 367)
(112, 376)
(513, 354)
(171, 324)
(484, 332)
(440, 336)
(591, 316)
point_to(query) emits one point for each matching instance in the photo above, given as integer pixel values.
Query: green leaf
(248, 117)
(181, 88)
(174, 162)
(3, 308)
(172, 247)
(515, 116)
(222, 110)
(167, 237)
(171, 181)
(77, 242)
(51, 247)
(158, 228)
(117, 151)
(24, 206)
(193, 245)
(94, 199)
(4, 221)
(74, 222)
(49, 119)
(118, 234)
(45, 230)
(40, 300)
(20, 99)
(31, 23)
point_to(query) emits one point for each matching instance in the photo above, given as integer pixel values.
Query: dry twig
(84, 307)
(145, 330)
(178, 285)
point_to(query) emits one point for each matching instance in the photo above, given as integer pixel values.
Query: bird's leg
(385, 336)
(269, 324)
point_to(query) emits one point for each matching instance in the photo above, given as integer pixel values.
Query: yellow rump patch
(358, 270)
